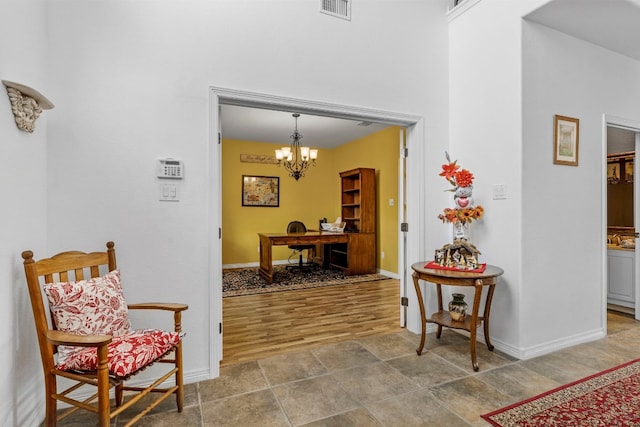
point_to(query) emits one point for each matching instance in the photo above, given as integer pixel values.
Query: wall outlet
(382, 255)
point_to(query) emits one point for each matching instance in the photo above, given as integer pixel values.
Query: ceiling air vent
(337, 8)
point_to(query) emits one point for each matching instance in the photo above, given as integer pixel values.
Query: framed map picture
(260, 191)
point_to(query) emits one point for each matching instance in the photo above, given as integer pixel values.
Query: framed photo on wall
(613, 172)
(566, 138)
(260, 191)
(628, 171)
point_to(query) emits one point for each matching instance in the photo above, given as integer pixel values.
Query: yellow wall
(380, 151)
(314, 196)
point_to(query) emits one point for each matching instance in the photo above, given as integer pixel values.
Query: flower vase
(457, 307)
(461, 231)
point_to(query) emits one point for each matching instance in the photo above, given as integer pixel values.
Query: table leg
(439, 293)
(487, 312)
(423, 316)
(266, 268)
(474, 322)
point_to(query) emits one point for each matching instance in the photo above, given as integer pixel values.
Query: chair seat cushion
(128, 353)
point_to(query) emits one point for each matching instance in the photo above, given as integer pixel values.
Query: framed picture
(628, 171)
(260, 191)
(566, 138)
(613, 172)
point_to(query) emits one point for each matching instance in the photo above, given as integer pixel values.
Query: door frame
(414, 185)
(632, 125)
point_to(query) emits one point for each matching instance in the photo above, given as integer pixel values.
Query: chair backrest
(63, 267)
(296, 227)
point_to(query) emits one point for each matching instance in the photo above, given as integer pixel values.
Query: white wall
(23, 186)
(132, 84)
(485, 88)
(508, 79)
(562, 208)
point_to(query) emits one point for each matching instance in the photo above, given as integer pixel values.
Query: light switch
(169, 192)
(499, 191)
(392, 202)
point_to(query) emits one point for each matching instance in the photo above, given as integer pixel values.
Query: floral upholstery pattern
(89, 307)
(126, 353)
(97, 307)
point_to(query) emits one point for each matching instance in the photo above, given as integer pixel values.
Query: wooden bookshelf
(358, 211)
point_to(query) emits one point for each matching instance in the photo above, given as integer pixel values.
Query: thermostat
(170, 168)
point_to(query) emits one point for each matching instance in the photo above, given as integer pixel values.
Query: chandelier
(296, 159)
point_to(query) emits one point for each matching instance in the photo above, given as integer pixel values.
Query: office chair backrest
(296, 227)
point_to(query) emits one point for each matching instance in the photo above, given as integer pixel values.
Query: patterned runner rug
(247, 281)
(609, 398)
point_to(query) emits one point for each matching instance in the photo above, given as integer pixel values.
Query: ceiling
(611, 24)
(620, 140)
(263, 125)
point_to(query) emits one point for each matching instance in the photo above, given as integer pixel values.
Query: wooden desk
(267, 240)
(457, 278)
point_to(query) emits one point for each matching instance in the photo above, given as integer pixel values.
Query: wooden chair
(108, 370)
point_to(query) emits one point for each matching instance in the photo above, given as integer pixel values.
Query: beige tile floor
(380, 381)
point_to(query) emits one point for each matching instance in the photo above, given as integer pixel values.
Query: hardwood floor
(258, 326)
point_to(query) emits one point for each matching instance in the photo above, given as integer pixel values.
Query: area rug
(247, 281)
(609, 398)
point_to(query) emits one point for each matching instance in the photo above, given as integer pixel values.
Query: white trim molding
(415, 182)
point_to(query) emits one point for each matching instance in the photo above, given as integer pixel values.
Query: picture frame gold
(613, 172)
(262, 191)
(566, 140)
(628, 171)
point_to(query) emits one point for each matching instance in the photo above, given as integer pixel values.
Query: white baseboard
(29, 409)
(253, 264)
(548, 347)
(389, 274)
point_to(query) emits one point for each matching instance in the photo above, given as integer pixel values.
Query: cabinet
(621, 286)
(358, 211)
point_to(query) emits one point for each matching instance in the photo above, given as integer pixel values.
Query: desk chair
(299, 227)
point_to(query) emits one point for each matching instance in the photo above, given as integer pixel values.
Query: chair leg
(119, 393)
(177, 323)
(104, 418)
(179, 378)
(51, 403)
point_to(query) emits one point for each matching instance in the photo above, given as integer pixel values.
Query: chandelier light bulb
(296, 159)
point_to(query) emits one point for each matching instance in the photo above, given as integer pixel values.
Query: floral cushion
(88, 307)
(127, 353)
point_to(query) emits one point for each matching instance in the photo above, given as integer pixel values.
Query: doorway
(622, 207)
(222, 96)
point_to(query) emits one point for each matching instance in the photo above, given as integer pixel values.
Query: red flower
(463, 178)
(448, 171)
